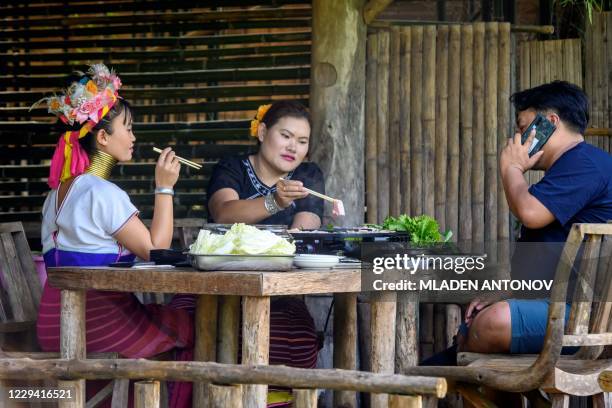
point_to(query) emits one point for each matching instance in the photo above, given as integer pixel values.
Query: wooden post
(383, 339)
(307, 399)
(405, 401)
(205, 342)
(221, 396)
(345, 342)
(255, 344)
(146, 394)
(73, 342)
(229, 326)
(371, 125)
(454, 87)
(407, 332)
(337, 93)
(382, 128)
(405, 86)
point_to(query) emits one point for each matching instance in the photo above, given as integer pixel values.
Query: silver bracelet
(271, 205)
(164, 190)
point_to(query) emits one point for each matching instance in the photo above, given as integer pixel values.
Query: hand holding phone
(544, 130)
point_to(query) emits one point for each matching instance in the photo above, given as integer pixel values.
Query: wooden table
(219, 295)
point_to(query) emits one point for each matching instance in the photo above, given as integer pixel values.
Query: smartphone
(544, 129)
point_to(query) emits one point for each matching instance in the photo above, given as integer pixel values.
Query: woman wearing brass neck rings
(89, 221)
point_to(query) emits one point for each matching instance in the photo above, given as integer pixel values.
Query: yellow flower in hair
(92, 88)
(261, 112)
(54, 105)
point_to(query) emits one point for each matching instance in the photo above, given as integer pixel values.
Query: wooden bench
(589, 327)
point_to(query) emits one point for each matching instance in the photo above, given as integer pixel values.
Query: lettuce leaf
(242, 239)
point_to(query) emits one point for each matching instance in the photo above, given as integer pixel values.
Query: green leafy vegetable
(423, 229)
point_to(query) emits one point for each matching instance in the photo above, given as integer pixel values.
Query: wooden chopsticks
(184, 161)
(316, 194)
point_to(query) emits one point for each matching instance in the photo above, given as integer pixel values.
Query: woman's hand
(287, 191)
(167, 169)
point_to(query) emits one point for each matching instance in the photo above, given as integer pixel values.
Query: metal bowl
(241, 262)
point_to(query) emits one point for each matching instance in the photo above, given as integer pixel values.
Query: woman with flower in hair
(89, 221)
(249, 189)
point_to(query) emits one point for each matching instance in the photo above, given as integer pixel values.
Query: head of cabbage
(242, 239)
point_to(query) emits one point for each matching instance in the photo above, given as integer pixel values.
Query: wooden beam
(337, 98)
(282, 376)
(373, 9)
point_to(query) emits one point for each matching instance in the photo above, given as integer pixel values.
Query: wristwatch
(271, 205)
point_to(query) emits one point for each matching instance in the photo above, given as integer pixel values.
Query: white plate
(316, 261)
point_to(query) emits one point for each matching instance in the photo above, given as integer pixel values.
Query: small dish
(316, 261)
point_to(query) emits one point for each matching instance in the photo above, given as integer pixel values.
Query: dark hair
(565, 99)
(88, 142)
(284, 108)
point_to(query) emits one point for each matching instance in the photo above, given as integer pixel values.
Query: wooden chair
(20, 294)
(20, 289)
(589, 327)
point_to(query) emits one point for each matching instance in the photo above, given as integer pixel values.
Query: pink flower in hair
(116, 82)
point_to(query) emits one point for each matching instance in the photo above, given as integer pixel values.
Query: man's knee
(490, 332)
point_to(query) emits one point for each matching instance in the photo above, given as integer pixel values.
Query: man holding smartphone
(576, 188)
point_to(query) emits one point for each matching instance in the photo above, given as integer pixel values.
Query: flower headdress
(85, 102)
(261, 112)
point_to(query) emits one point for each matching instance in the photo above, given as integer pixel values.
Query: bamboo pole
(454, 89)
(504, 126)
(416, 128)
(429, 118)
(588, 75)
(382, 128)
(405, 89)
(373, 8)
(255, 344)
(516, 28)
(222, 396)
(345, 342)
(394, 125)
(72, 341)
(209, 372)
(478, 137)
(608, 60)
(306, 399)
(371, 126)
(383, 306)
(205, 342)
(524, 66)
(441, 140)
(465, 172)
(146, 394)
(604, 78)
(491, 131)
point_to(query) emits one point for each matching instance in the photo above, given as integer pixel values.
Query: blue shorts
(528, 325)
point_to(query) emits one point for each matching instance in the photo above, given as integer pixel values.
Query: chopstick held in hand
(338, 209)
(180, 159)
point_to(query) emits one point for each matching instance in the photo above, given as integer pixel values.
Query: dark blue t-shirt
(576, 188)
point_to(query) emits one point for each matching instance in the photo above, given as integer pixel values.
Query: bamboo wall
(545, 61)
(437, 112)
(597, 71)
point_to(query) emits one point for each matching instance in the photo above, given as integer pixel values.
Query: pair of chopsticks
(180, 159)
(317, 194)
